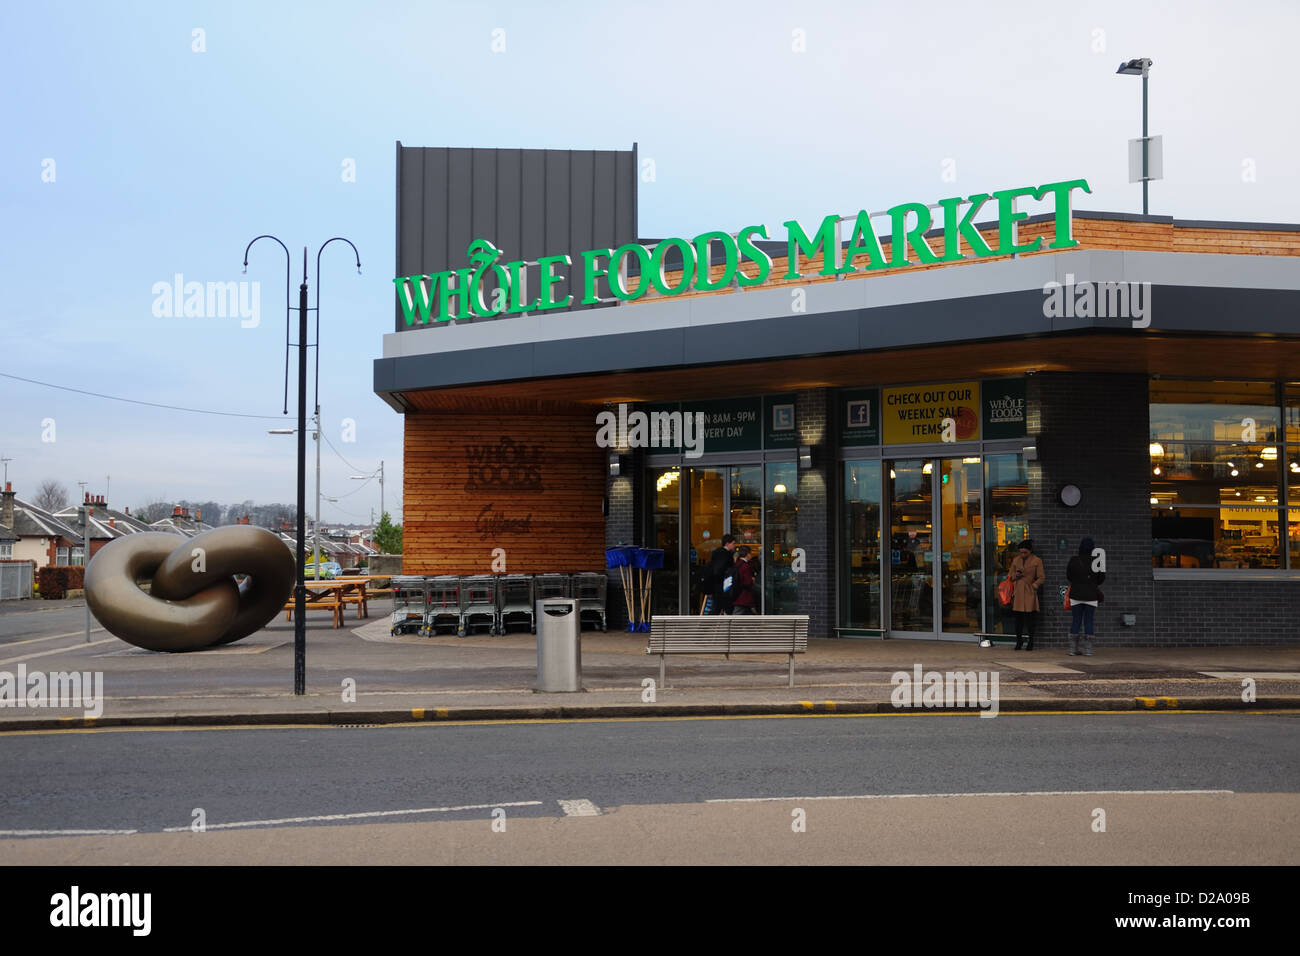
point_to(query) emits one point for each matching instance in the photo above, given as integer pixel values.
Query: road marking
(354, 816)
(1253, 675)
(51, 637)
(57, 650)
(26, 833)
(579, 808)
(1020, 793)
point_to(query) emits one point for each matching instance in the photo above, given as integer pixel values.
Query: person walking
(746, 567)
(721, 567)
(1085, 596)
(1027, 575)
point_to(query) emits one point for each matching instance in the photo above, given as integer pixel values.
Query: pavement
(361, 675)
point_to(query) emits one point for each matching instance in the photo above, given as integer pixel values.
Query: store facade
(882, 428)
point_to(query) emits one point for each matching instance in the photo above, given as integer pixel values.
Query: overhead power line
(136, 401)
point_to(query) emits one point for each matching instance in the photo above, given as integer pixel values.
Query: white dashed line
(579, 808)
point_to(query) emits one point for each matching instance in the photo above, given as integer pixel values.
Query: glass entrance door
(911, 542)
(936, 557)
(707, 508)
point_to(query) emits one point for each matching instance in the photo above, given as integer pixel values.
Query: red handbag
(1067, 597)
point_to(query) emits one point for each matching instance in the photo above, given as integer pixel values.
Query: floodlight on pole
(1141, 66)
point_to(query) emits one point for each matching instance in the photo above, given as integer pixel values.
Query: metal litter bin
(559, 648)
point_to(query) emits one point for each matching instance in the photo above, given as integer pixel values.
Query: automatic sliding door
(961, 561)
(911, 504)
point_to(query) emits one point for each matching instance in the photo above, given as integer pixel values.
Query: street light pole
(1141, 67)
(300, 588)
(1146, 143)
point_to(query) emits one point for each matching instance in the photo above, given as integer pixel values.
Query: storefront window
(1008, 522)
(1216, 468)
(859, 562)
(1245, 536)
(1213, 411)
(1292, 393)
(780, 584)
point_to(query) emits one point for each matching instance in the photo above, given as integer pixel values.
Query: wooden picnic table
(332, 596)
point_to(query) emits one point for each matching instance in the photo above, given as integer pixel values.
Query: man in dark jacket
(721, 567)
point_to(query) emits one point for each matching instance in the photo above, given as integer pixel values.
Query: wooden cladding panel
(533, 485)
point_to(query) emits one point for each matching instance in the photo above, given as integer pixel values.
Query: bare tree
(51, 496)
(155, 510)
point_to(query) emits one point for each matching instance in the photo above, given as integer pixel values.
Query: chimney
(198, 514)
(112, 522)
(86, 500)
(176, 511)
(128, 510)
(7, 512)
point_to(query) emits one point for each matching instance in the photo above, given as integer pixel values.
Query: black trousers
(1026, 620)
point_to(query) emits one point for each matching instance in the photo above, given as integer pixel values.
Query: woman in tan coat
(1027, 575)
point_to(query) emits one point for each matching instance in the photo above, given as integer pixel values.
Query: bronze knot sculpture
(194, 600)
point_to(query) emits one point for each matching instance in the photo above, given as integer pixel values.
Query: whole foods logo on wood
(506, 466)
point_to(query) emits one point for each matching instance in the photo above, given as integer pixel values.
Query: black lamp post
(300, 590)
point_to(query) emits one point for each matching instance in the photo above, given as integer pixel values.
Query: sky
(145, 141)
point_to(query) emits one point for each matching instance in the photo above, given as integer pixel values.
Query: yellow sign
(917, 413)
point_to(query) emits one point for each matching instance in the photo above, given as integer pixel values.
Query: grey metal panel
(502, 364)
(800, 334)
(483, 212)
(433, 246)
(558, 198)
(952, 320)
(611, 353)
(460, 206)
(508, 235)
(529, 203)
(1007, 315)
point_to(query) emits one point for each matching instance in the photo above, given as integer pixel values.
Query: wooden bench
(356, 592)
(728, 634)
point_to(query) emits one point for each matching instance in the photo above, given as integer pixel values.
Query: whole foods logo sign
(489, 288)
(506, 466)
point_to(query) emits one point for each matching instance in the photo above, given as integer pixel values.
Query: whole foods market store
(884, 444)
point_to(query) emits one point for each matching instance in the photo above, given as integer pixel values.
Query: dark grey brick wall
(1092, 432)
(816, 496)
(626, 496)
(1197, 613)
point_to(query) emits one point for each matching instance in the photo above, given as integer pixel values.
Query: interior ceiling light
(927, 468)
(1269, 453)
(1155, 501)
(970, 461)
(1235, 472)
(1259, 464)
(779, 489)
(1156, 449)
(1155, 470)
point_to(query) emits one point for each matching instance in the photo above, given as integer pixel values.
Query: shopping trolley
(515, 599)
(443, 608)
(589, 589)
(410, 601)
(547, 586)
(478, 603)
